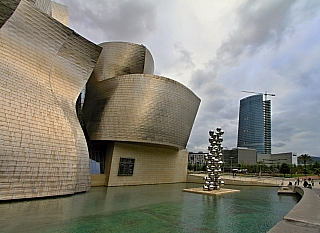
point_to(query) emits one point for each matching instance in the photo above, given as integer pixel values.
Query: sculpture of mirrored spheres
(213, 161)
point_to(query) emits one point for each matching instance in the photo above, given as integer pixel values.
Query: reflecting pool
(150, 208)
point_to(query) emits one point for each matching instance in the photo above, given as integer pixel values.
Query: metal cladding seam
(121, 58)
(136, 107)
(7, 9)
(44, 66)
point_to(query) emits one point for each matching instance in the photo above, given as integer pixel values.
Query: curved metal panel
(140, 108)
(60, 13)
(45, 66)
(121, 58)
(44, 6)
(7, 9)
(149, 63)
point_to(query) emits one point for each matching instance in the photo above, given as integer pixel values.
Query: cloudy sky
(220, 48)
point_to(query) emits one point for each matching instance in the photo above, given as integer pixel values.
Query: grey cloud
(206, 79)
(273, 44)
(297, 125)
(184, 56)
(114, 20)
(279, 144)
(261, 24)
(135, 19)
(258, 24)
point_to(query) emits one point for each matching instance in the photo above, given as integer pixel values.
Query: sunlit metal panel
(141, 108)
(44, 66)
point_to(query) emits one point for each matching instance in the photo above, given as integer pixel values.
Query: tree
(316, 165)
(294, 168)
(316, 168)
(317, 171)
(284, 169)
(305, 158)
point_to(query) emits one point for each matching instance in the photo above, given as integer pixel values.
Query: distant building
(239, 156)
(254, 130)
(197, 158)
(278, 159)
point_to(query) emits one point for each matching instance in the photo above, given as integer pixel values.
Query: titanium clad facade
(132, 115)
(149, 63)
(141, 108)
(121, 58)
(136, 107)
(60, 13)
(7, 9)
(127, 111)
(44, 66)
(251, 123)
(43, 5)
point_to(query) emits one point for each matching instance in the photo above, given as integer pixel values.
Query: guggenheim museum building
(74, 114)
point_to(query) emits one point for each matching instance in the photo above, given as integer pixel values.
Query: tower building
(254, 129)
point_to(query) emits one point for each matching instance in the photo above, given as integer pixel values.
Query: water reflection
(149, 208)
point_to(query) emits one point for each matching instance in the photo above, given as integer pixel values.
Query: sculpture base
(220, 191)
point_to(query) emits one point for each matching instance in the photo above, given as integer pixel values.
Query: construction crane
(265, 94)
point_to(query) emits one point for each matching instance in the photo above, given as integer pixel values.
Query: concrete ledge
(287, 190)
(307, 210)
(304, 217)
(247, 181)
(221, 191)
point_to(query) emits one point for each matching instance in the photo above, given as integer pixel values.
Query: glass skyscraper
(254, 130)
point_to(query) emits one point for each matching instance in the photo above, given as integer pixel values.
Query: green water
(149, 208)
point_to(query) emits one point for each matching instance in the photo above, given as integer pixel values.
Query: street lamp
(231, 164)
(259, 164)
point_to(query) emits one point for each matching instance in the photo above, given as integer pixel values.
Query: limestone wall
(153, 165)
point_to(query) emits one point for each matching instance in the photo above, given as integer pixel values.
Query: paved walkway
(305, 215)
(271, 180)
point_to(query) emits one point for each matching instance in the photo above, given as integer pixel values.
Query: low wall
(304, 217)
(247, 181)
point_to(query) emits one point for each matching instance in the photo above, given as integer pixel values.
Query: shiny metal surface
(43, 5)
(60, 13)
(136, 107)
(7, 9)
(44, 66)
(121, 58)
(214, 161)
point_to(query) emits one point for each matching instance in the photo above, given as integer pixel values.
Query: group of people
(306, 183)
